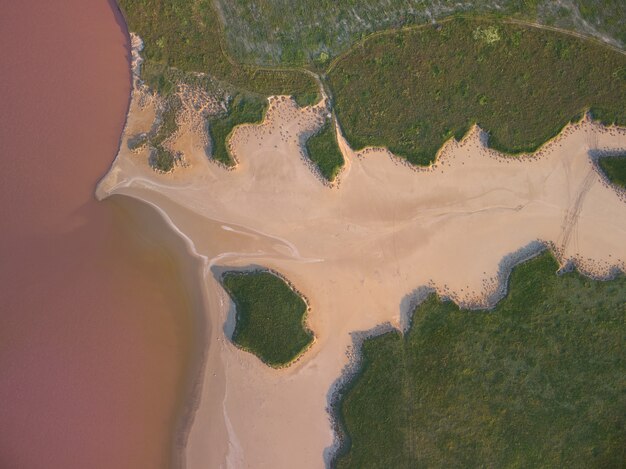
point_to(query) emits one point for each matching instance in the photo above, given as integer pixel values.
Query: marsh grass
(270, 317)
(411, 90)
(536, 382)
(615, 169)
(243, 109)
(323, 150)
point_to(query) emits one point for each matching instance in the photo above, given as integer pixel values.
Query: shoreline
(191, 262)
(192, 267)
(121, 22)
(94, 357)
(196, 272)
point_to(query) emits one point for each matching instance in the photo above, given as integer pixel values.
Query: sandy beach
(362, 251)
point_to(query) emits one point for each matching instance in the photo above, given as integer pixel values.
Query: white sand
(359, 252)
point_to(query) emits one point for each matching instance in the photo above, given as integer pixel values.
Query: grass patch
(243, 109)
(270, 317)
(323, 149)
(411, 90)
(187, 35)
(160, 157)
(615, 169)
(537, 382)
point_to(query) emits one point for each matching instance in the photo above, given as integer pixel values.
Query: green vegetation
(243, 109)
(270, 317)
(615, 169)
(536, 382)
(412, 90)
(187, 35)
(323, 150)
(308, 32)
(163, 159)
(160, 157)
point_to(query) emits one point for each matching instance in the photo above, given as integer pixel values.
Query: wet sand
(362, 252)
(97, 339)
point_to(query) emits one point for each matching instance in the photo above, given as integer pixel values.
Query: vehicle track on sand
(573, 213)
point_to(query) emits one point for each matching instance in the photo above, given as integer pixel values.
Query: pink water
(94, 322)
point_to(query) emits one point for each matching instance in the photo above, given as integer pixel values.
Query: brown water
(95, 323)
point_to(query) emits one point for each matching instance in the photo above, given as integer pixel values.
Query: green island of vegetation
(536, 382)
(411, 90)
(615, 169)
(270, 317)
(323, 149)
(241, 110)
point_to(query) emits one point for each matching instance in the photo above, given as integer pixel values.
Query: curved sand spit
(362, 252)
